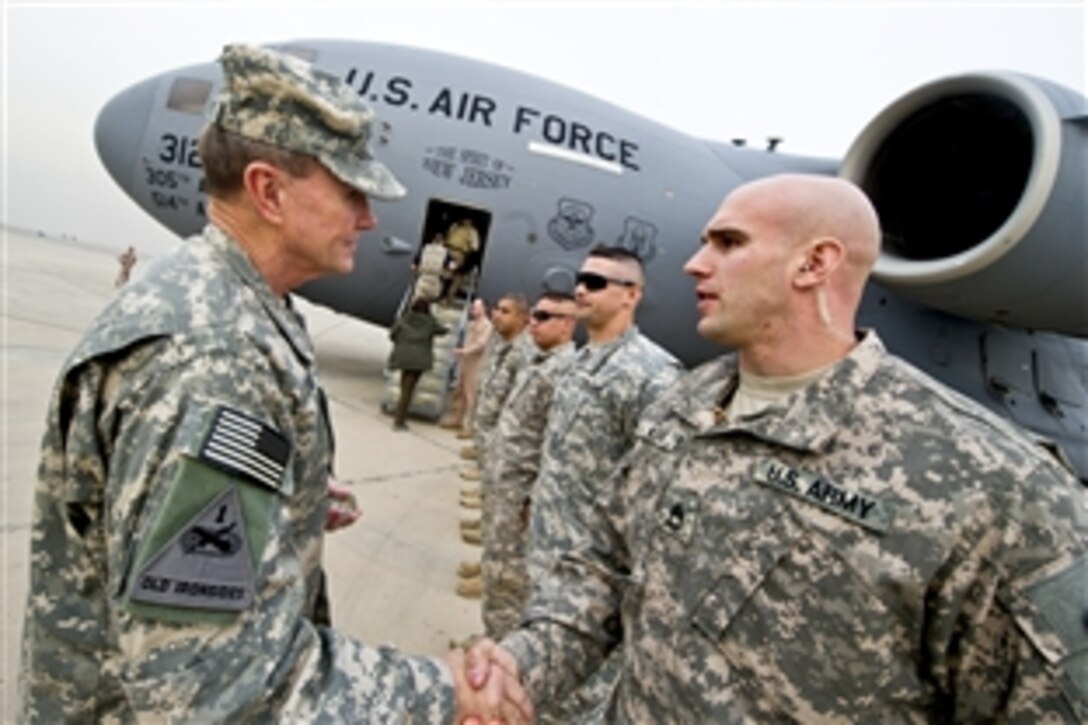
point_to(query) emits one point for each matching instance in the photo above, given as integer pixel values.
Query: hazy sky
(812, 72)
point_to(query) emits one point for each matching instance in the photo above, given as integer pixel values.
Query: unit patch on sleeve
(242, 445)
(206, 565)
(1062, 599)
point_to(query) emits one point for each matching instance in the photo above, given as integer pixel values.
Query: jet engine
(979, 181)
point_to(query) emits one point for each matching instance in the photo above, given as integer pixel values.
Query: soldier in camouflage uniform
(507, 351)
(592, 424)
(184, 485)
(810, 529)
(515, 463)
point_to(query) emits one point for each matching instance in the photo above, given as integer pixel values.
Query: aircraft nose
(119, 129)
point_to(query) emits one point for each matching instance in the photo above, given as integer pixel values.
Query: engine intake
(979, 183)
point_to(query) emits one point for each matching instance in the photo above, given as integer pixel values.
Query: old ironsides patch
(206, 565)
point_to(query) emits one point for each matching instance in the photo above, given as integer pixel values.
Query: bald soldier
(184, 490)
(811, 529)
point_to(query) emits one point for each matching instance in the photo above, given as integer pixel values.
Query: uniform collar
(540, 355)
(288, 321)
(806, 420)
(592, 357)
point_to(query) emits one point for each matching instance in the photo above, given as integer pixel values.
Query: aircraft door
(446, 269)
(462, 233)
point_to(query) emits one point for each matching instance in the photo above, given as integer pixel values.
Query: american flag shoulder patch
(241, 445)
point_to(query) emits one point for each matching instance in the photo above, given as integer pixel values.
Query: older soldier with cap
(810, 529)
(183, 490)
(516, 445)
(591, 425)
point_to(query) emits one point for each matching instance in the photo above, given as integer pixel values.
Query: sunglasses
(544, 315)
(594, 282)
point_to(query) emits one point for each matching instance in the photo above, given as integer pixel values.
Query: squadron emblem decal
(570, 227)
(638, 237)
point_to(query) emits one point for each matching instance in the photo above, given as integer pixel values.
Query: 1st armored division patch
(199, 559)
(206, 565)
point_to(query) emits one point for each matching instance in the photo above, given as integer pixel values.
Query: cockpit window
(189, 95)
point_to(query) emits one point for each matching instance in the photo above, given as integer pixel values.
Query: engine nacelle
(979, 181)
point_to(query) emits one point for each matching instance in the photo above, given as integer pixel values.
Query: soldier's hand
(343, 507)
(495, 695)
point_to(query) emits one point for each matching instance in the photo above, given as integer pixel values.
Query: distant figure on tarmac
(127, 260)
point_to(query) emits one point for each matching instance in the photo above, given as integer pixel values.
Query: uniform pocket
(568, 412)
(1053, 615)
(758, 551)
(800, 628)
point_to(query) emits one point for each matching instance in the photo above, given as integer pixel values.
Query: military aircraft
(979, 180)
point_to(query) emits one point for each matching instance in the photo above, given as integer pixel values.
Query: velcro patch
(209, 533)
(678, 512)
(869, 511)
(1062, 599)
(206, 565)
(244, 446)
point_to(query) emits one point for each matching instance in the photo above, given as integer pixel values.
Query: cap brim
(367, 175)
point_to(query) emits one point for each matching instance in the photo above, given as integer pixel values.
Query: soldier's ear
(265, 186)
(821, 258)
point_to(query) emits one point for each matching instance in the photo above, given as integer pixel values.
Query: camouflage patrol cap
(286, 102)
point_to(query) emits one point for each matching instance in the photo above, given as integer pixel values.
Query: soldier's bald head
(784, 262)
(806, 207)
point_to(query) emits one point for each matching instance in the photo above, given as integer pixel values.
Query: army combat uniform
(872, 548)
(512, 471)
(502, 360)
(179, 518)
(591, 425)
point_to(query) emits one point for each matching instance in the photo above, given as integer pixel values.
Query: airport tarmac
(392, 574)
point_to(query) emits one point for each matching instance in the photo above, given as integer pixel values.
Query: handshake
(487, 686)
